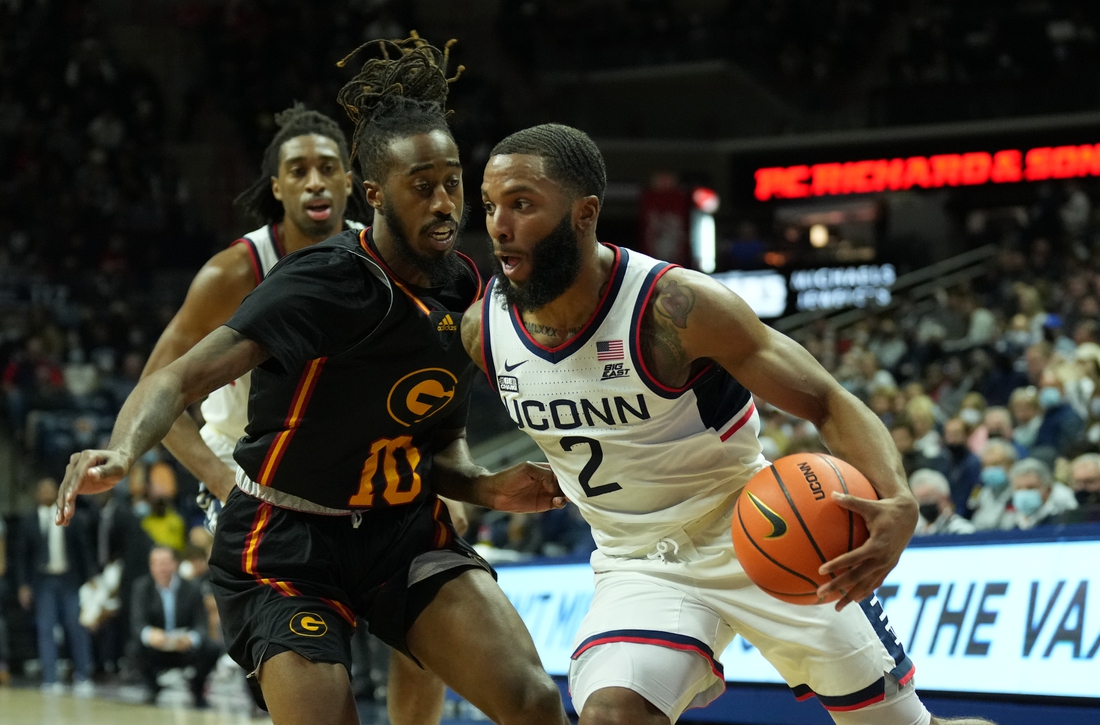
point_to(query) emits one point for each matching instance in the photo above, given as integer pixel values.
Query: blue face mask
(1027, 500)
(995, 477)
(1049, 397)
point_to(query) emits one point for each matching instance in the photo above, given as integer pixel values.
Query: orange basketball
(786, 524)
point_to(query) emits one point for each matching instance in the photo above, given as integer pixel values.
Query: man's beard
(555, 263)
(438, 269)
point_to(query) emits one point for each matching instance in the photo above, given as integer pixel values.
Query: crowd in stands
(991, 394)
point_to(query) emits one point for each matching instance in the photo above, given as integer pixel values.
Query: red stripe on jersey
(343, 610)
(252, 542)
(389, 273)
(477, 276)
(740, 422)
(298, 404)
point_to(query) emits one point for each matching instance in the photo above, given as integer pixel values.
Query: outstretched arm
(151, 410)
(215, 294)
(693, 318)
(526, 487)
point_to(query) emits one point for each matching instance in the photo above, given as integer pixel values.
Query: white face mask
(970, 416)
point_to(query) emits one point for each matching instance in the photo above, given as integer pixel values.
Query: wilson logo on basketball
(421, 395)
(811, 478)
(779, 526)
(308, 624)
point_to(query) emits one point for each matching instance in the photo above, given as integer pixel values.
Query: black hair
(258, 200)
(573, 160)
(396, 97)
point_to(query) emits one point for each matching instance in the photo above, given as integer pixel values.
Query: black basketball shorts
(286, 580)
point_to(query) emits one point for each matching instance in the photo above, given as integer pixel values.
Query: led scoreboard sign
(927, 172)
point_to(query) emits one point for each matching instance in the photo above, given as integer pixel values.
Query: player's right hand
(88, 472)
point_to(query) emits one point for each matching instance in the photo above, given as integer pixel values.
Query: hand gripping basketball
(787, 525)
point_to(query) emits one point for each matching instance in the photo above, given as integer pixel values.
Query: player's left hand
(890, 522)
(524, 488)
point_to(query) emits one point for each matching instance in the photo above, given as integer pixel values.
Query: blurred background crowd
(122, 150)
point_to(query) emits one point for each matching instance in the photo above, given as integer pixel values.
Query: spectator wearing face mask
(1085, 481)
(1037, 499)
(1024, 404)
(965, 468)
(993, 497)
(937, 510)
(1060, 426)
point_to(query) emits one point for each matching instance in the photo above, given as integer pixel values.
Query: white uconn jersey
(226, 409)
(640, 459)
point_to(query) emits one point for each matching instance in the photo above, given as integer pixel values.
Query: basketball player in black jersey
(301, 197)
(357, 414)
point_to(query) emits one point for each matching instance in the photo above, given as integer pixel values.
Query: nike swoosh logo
(509, 368)
(779, 526)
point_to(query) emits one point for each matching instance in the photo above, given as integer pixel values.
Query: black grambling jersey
(364, 371)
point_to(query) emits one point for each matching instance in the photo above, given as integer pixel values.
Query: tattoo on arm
(675, 302)
(661, 345)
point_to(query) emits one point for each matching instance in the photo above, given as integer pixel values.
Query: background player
(301, 197)
(356, 415)
(634, 377)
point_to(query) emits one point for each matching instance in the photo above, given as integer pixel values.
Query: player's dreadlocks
(395, 97)
(258, 201)
(572, 158)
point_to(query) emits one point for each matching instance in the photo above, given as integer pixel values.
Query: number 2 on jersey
(595, 458)
(384, 461)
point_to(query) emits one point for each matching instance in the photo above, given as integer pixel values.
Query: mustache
(442, 220)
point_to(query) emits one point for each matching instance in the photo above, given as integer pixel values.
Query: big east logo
(420, 395)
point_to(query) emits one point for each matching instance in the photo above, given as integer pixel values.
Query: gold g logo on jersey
(308, 624)
(421, 395)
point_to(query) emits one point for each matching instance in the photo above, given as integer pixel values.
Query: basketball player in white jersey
(636, 379)
(302, 195)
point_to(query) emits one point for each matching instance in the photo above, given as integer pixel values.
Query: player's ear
(349, 181)
(275, 190)
(586, 211)
(375, 196)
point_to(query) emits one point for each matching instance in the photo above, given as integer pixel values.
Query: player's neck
(387, 248)
(572, 310)
(294, 238)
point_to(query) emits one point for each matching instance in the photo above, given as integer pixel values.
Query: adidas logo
(446, 324)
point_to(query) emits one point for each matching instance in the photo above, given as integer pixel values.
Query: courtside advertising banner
(1011, 618)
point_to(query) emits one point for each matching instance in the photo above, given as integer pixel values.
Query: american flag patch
(609, 350)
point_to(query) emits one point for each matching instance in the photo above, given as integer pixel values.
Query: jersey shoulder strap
(265, 249)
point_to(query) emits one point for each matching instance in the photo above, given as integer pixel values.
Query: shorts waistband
(285, 500)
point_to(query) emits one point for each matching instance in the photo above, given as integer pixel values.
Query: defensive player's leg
(301, 692)
(472, 637)
(414, 696)
(620, 706)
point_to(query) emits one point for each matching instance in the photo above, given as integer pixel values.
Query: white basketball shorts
(657, 625)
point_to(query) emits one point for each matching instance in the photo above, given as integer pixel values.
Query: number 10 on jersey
(391, 461)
